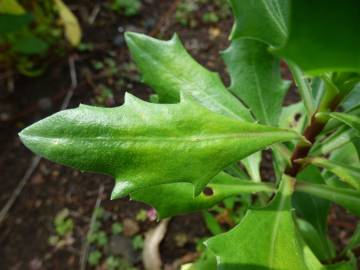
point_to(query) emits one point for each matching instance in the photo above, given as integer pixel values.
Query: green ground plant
(31, 30)
(127, 7)
(183, 153)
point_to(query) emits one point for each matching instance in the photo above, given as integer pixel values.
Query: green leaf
(349, 174)
(304, 89)
(335, 141)
(71, 24)
(324, 36)
(11, 23)
(207, 261)
(315, 241)
(354, 241)
(252, 165)
(212, 224)
(293, 116)
(143, 144)
(314, 211)
(30, 45)
(170, 70)
(256, 79)
(353, 99)
(348, 198)
(350, 120)
(11, 7)
(266, 238)
(178, 198)
(262, 20)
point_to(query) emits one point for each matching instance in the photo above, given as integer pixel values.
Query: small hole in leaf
(297, 117)
(208, 191)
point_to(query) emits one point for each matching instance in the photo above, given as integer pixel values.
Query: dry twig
(85, 246)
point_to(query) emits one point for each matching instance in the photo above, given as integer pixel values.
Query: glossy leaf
(256, 79)
(264, 20)
(266, 238)
(324, 36)
(178, 198)
(348, 198)
(168, 68)
(143, 144)
(348, 174)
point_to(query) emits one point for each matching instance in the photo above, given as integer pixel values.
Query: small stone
(45, 103)
(181, 239)
(119, 41)
(37, 179)
(130, 227)
(122, 246)
(149, 23)
(35, 264)
(214, 32)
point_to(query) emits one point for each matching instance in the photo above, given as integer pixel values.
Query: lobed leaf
(266, 238)
(178, 198)
(143, 144)
(170, 71)
(324, 37)
(256, 79)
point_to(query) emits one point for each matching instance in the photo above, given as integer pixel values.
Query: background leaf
(324, 36)
(11, 23)
(29, 45)
(72, 27)
(11, 7)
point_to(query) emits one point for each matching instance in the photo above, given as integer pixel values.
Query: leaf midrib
(278, 18)
(274, 231)
(192, 139)
(258, 91)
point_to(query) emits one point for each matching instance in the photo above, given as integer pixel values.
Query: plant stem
(329, 102)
